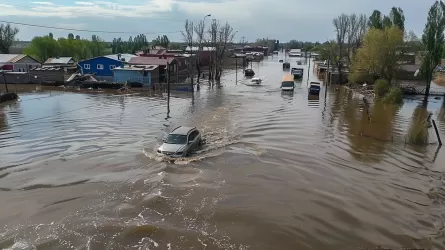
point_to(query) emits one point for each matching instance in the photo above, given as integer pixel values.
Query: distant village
(144, 68)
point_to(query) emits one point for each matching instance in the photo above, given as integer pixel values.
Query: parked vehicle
(314, 88)
(249, 72)
(180, 142)
(286, 66)
(288, 84)
(256, 80)
(297, 73)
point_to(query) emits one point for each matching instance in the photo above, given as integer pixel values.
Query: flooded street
(279, 171)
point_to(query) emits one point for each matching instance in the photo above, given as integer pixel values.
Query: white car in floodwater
(180, 142)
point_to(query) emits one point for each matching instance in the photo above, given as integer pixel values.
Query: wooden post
(177, 73)
(4, 79)
(236, 70)
(437, 133)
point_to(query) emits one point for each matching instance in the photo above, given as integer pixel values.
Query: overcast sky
(309, 20)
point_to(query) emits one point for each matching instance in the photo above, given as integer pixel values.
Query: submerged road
(280, 171)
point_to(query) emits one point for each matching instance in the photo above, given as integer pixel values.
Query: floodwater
(279, 171)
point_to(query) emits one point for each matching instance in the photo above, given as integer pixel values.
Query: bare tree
(362, 29)
(188, 34)
(213, 42)
(199, 30)
(226, 36)
(352, 33)
(341, 24)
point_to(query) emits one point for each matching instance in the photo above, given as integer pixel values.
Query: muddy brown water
(279, 171)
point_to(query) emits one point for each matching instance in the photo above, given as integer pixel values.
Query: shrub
(418, 132)
(394, 96)
(381, 87)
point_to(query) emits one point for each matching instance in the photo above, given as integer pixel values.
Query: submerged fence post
(437, 133)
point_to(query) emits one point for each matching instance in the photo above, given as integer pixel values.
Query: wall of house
(15, 78)
(47, 76)
(132, 76)
(25, 67)
(94, 62)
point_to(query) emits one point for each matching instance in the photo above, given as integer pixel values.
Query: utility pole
(168, 90)
(309, 67)
(327, 79)
(192, 65)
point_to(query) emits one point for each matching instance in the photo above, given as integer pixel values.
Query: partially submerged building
(141, 76)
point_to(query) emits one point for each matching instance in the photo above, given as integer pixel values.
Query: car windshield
(176, 139)
(287, 84)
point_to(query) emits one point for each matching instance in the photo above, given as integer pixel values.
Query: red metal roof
(142, 60)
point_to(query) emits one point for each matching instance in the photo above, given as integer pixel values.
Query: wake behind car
(180, 142)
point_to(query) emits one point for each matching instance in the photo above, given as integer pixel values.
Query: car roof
(182, 130)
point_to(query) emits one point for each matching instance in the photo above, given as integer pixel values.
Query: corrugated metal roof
(59, 60)
(11, 58)
(203, 48)
(142, 60)
(127, 57)
(145, 67)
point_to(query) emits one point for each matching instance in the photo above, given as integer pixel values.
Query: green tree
(380, 54)
(397, 18)
(432, 41)
(7, 37)
(375, 20)
(43, 48)
(386, 22)
(162, 41)
(71, 36)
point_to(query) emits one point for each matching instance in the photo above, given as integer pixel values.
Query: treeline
(139, 43)
(44, 47)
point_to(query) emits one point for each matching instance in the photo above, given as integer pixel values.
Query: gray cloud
(280, 19)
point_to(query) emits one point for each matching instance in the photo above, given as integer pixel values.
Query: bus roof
(288, 78)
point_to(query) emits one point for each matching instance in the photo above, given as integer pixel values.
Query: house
(60, 62)
(17, 62)
(261, 49)
(102, 66)
(205, 54)
(162, 62)
(182, 59)
(135, 75)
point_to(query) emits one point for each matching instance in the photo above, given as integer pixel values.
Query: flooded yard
(279, 170)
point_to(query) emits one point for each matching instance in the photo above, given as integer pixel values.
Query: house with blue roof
(102, 66)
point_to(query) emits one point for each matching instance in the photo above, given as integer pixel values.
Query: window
(86, 66)
(112, 67)
(193, 135)
(100, 66)
(176, 139)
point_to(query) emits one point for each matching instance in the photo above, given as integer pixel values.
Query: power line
(84, 30)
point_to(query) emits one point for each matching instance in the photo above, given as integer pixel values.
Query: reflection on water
(280, 170)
